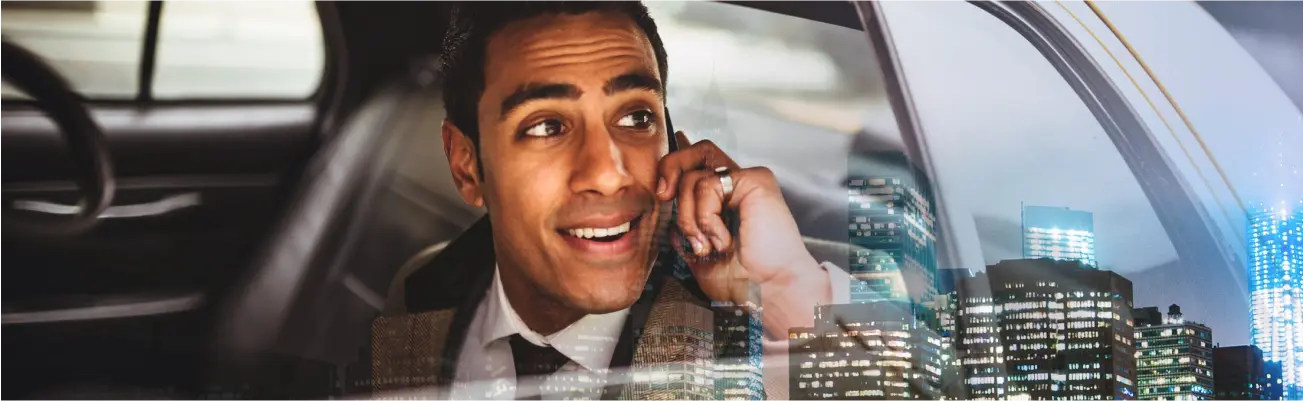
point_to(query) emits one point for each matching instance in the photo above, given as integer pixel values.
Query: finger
(689, 157)
(681, 140)
(679, 241)
(698, 156)
(747, 181)
(687, 218)
(709, 198)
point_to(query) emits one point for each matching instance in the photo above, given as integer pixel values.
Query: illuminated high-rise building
(675, 359)
(891, 348)
(1276, 276)
(738, 363)
(1066, 330)
(873, 351)
(1174, 356)
(978, 340)
(1273, 388)
(947, 303)
(892, 213)
(1059, 233)
(947, 307)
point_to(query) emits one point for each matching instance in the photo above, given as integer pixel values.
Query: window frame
(332, 64)
(1171, 197)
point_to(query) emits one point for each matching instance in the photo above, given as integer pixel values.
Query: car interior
(215, 199)
(181, 248)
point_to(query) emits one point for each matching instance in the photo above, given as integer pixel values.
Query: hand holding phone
(730, 224)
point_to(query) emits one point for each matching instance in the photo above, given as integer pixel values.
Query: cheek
(642, 163)
(528, 189)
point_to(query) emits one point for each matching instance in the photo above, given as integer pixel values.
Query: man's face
(571, 130)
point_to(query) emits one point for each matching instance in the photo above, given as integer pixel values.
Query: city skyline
(1057, 233)
(1043, 328)
(1164, 284)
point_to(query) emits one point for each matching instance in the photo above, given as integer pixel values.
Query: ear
(462, 163)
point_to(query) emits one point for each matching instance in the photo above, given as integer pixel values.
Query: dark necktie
(535, 363)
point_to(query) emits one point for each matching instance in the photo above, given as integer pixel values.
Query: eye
(641, 119)
(545, 128)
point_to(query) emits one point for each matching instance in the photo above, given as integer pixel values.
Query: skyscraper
(676, 358)
(947, 307)
(1174, 356)
(1059, 233)
(948, 300)
(738, 364)
(1066, 330)
(892, 226)
(1276, 276)
(978, 344)
(1273, 387)
(1241, 374)
(870, 351)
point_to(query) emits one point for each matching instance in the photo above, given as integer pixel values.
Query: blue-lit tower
(1276, 276)
(1059, 233)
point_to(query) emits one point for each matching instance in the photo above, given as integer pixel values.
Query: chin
(606, 293)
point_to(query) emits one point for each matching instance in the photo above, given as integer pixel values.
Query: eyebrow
(549, 90)
(537, 91)
(632, 81)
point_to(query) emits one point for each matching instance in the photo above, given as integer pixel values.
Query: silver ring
(726, 182)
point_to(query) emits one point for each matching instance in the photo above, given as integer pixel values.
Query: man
(557, 126)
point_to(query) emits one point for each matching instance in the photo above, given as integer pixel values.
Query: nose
(600, 164)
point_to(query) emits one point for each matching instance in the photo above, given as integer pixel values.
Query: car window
(95, 45)
(205, 49)
(1025, 171)
(800, 120)
(1024, 168)
(238, 49)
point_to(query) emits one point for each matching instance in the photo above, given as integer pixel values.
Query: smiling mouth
(603, 234)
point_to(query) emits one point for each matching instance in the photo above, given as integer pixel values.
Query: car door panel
(196, 184)
(165, 140)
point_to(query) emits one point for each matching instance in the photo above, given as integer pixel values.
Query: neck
(541, 313)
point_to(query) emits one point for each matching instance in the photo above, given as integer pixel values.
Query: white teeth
(599, 232)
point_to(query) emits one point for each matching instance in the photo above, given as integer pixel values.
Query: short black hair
(472, 23)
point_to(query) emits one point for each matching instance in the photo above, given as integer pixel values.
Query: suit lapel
(405, 352)
(630, 335)
(421, 348)
(646, 339)
(674, 327)
(463, 270)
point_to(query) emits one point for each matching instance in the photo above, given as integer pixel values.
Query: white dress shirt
(485, 368)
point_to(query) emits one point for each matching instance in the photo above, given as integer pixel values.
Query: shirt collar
(589, 341)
